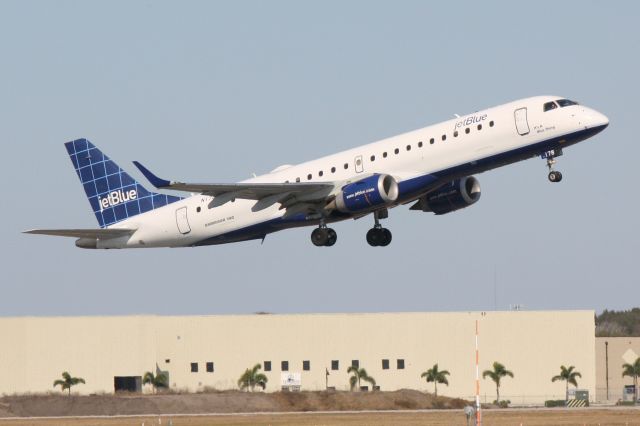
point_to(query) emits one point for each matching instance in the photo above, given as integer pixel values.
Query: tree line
(618, 323)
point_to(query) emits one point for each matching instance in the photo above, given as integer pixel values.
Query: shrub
(502, 404)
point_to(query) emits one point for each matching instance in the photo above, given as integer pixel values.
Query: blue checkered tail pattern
(113, 194)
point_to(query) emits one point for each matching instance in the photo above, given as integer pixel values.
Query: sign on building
(290, 382)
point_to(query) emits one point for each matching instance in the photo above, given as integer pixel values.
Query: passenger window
(373, 158)
(346, 166)
(396, 150)
(309, 176)
(297, 179)
(467, 130)
(420, 144)
(384, 154)
(491, 123)
(455, 134)
(408, 147)
(320, 173)
(198, 209)
(432, 141)
(479, 126)
(444, 137)
(333, 170)
(549, 106)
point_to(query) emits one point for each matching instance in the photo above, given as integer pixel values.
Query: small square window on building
(335, 364)
(385, 364)
(209, 367)
(306, 365)
(400, 363)
(194, 367)
(267, 365)
(355, 363)
(284, 366)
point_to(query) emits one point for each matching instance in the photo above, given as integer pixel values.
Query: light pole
(606, 368)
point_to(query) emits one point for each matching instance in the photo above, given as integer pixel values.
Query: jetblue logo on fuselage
(116, 197)
(472, 119)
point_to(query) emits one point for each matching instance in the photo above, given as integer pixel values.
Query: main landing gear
(379, 236)
(553, 175)
(323, 236)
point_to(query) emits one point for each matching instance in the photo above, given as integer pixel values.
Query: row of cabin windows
(397, 150)
(335, 365)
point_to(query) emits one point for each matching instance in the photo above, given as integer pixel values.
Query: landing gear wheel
(379, 237)
(386, 237)
(373, 237)
(324, 237)
(332, 237)
(320, 237)
(555, 176)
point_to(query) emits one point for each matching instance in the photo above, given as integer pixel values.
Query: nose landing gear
(554, 176)
(379, 236)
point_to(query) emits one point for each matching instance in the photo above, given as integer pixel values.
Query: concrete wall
(531, 344)
(620, 350)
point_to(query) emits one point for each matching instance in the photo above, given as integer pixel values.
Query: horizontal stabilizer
(83, 233)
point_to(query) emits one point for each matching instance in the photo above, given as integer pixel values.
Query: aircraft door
(359, 164)
(522, 125)
(182, 221)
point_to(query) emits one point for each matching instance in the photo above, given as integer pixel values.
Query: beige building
(611, 353)
(299, 350)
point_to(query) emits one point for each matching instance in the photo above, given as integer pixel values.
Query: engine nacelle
(367, 193)
(455, 195)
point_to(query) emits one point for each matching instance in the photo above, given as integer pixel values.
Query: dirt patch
(220, 402)
(509, 417)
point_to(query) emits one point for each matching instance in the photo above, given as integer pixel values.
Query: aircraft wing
(249, 191)
(83, 233)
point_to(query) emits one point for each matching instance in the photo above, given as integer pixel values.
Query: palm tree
(159, 380)
(632, 370)
(499, 371)
(252, 377)
(569, 376)
(68, 382)
(358, 375)
(436, 376)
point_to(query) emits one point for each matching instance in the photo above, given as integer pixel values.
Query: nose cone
(596, 119)
(602, 119)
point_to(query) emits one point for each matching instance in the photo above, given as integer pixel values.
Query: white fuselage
(507, 134)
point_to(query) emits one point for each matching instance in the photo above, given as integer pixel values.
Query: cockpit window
(566, 102)
(549, 106)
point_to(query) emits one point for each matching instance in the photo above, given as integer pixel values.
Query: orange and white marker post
(478, 414)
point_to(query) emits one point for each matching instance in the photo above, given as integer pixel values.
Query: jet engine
(453, 196)
(368, 193)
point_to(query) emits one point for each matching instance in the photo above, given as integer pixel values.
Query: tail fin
(113, 194)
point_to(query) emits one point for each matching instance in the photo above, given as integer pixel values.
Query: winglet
(155, 180)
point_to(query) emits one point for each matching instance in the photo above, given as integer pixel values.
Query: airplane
(430, 168)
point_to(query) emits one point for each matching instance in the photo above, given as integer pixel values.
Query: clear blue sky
(213, 91)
